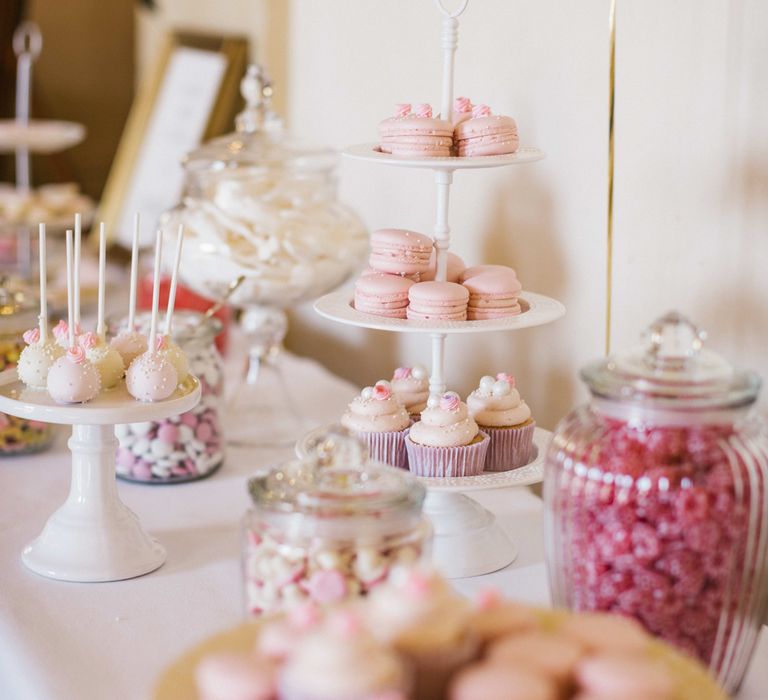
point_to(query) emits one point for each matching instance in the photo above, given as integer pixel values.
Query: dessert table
(75, 641)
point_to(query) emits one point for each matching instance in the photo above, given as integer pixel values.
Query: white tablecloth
(110, 641)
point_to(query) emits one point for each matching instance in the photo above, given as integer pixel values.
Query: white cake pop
(36, 359)
(107, 361)
(171, 350)
(129, 342)
(151, 376)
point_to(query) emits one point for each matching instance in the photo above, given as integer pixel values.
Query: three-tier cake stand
(468, 540)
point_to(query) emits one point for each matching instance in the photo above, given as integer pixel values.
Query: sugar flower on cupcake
(446, 441)
(411, 386)
(381, 421)
(498, 409)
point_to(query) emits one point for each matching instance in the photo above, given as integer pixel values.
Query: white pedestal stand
(93, 536)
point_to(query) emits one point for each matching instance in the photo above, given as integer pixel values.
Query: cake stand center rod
(443, 180)
(93, 450)
(437, 383)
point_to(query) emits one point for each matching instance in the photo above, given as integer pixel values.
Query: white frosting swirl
(441, 427)
(375, 415)
(490, 409)
(411, 391)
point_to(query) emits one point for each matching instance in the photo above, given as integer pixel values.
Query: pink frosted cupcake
(498, 409)
(411, 387)
(377, 417)
(446, 441)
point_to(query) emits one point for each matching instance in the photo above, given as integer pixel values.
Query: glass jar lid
(18, 309)
(259, 139)
(344, 502)
(672, 369)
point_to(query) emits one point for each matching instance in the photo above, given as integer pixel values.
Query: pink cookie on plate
(486, 134)
(398, 251)
(492, 295)
(415, 133)
(437, 301)
(455, 267)
(382, 295)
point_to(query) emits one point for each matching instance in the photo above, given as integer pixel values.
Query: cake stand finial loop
(27, 39)
(452, 13)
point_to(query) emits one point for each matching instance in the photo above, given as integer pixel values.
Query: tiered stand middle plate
(93, 536)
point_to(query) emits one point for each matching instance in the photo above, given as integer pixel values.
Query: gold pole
(611, 103)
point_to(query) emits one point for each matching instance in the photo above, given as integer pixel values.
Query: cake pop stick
(76, 272)
(152, 341)
(70, 293)
(174, 278)
(43, 287)
(134, 272)
(100, 331)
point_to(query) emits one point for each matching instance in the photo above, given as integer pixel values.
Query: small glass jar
(18, 313)
(656, 503)
(189, 446)
(328, 534)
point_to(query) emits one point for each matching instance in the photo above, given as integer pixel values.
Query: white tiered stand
(93, 536)
(468, 540)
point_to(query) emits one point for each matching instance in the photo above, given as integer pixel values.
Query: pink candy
(423, 110)
(481, 111)
(31, 336)
(381, 392)
(328, 587)
(462, 105)
(402, 110)
(88, 340)
(168, 432)
(402, 373)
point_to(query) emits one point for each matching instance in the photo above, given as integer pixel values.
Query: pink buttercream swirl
(161, 342)
(402, 373)
(508, 378)
(31, 336)
(481, 111)
(450, 401)
(423, 110)
(402, 109)
(76, 354)
(88, 340)
(60, 329)
(381, 392)
(462, 105)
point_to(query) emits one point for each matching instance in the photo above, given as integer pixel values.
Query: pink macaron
(486, 134)
(398, 251)
(437, 301)
(492, 295)
(455, 266)
(414, 132)
(382, 295)
(480, 269)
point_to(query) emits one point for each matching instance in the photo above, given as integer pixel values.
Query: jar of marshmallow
(189, 446)
(328, 534)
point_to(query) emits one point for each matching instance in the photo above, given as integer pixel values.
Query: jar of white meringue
(327, 534)
(189, 446)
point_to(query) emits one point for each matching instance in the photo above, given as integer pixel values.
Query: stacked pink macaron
(437, 301)
(398, 251)
(493, 292)
(382, 295)
(415, 132)
(486, 134)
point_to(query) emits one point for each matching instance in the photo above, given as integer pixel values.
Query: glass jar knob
(675, 343)
(256, 89)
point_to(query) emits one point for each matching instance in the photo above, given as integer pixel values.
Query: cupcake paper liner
(387, 447)
(465, 460)
(509, 448)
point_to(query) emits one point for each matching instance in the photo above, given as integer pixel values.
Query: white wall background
(691, 198)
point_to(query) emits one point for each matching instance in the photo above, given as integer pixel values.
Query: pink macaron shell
(419, 140)
(490, 303)
(484, 126)
(474, 314)
(482, 269)
(412, 125)
(425, 151)
(383, 287)
(436, 315)
(377, 311)
(493, 285)
(438, 294)
(484, 681)
(493, 148)
(455, 267)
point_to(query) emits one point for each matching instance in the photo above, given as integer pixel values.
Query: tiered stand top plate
(531, 473)
(370, 152)
(39, 136)
(537, 310)
(109, 407)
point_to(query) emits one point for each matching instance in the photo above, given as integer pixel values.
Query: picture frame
(191, 93)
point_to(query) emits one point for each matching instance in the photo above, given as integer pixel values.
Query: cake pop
(129, 342)
(42, 351)
(151, 376)
(106, 359)
(72, 378)
(171, 350)
(61, 330)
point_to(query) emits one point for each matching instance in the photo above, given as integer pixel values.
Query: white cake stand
(94, 536)
(468, 540)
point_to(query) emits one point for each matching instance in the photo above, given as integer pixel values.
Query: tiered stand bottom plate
(468, 540)
(93, 536)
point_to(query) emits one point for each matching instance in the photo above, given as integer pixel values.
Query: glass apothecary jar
(656, 502)
(328, 534)
(189, 446)
(18, 313)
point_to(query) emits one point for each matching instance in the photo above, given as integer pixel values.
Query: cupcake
(411, 387)
(343, 661)
(498, 409)
(417, 613)
(378, 418)
(446, 441)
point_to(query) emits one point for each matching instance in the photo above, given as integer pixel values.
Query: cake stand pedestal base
(94, 536)
(468, 541)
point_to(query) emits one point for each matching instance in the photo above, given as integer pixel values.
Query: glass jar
(189, 446)
(328, 534)
(18, 313)
(655, 498)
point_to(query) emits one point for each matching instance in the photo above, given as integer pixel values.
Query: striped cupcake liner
(509, 448)
(387, 447)
(465, 460)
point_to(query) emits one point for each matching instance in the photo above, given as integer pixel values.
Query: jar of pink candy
(189, 446)
(656, 502)
(328, 534)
